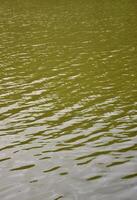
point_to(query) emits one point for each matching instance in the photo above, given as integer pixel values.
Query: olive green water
(68, 100)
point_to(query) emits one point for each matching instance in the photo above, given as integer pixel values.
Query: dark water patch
(93, 178)
(23, 167)
(51, 170)
(4, 159)
(117, 163)
(130, 176)
(63, 173)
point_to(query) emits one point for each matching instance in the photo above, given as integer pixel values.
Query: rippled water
(68, 100)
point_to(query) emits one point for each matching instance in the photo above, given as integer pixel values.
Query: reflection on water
(68, 85)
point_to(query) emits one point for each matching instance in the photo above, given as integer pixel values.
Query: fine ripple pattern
(68, 100)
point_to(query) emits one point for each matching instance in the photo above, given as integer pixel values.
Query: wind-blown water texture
(68, 99)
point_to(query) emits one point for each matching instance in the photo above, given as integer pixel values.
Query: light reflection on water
(68, 100)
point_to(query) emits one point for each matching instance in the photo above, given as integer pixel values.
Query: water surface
(68, 100)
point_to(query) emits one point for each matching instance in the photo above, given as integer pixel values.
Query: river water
(68, 100)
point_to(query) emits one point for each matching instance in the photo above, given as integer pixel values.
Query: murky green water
(68, 100)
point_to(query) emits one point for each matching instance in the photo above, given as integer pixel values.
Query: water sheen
(68, 100)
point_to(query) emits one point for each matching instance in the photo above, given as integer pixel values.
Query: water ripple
(68, 100)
